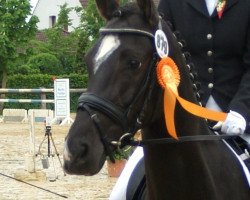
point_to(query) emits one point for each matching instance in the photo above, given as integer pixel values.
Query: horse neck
(163, 160)
(190, 170)
(185, 122)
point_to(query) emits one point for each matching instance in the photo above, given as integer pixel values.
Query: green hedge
(42, 62)
(37, 81)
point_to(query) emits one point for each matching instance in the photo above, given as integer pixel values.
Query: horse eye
(135, 64)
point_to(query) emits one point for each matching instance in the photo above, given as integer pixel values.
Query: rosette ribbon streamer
(169, 78)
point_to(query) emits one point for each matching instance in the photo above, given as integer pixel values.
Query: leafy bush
(123, 153)
(25, 70)
(46, 63)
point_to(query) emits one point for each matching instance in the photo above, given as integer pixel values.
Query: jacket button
(209, 36)
(209, 53)
(210, 70)
(210, 85)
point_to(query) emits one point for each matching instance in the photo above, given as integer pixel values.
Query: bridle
(91, 102)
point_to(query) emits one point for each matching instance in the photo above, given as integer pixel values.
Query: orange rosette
(168, 73)
(169, 78)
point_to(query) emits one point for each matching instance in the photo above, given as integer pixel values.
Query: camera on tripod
(51, 147)
(48, 136)
(48, 123)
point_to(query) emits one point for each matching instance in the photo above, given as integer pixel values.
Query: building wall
(45, 9)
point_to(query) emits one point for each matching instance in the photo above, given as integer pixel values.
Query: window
(52, 21)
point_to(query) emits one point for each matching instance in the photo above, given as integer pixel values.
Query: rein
(127, 139)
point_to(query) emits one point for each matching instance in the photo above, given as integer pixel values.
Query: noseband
(91, 102)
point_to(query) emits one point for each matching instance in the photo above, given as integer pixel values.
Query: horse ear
(107, 7)
(149, 10)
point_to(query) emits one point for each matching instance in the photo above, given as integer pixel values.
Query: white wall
(46, 8)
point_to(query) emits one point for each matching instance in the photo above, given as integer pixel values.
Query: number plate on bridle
(161, 43)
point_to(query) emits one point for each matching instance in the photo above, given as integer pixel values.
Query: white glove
(234, 124)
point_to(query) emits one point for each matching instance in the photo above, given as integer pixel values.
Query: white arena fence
(22, 114)
(40, 91)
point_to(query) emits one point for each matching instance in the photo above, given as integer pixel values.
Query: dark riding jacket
(220, 48)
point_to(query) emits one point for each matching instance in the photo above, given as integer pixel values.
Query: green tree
(15, 30)
(57, 42)
(61, 43)
(63, 17)
(45, 63)
(88, 30)
(32, 48)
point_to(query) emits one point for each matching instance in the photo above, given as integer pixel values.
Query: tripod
(50, 140)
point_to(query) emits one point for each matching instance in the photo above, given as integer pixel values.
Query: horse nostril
(65, 167)
(84, 150)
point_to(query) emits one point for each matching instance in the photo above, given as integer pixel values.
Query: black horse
(123, 96)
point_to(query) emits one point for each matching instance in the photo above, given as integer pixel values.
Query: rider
(217, 33)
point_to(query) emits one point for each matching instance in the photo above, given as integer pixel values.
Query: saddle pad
(243, 164)
(136, 188)
(246, 137)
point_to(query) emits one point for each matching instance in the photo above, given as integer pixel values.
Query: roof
(83, 2)
(42, 37)
(156, 2)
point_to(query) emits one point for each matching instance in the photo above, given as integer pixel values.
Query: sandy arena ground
(15, 143)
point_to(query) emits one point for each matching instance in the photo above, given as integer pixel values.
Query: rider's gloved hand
(234, 124)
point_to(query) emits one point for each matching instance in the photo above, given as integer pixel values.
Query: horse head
(122, 94)
(119, 67)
